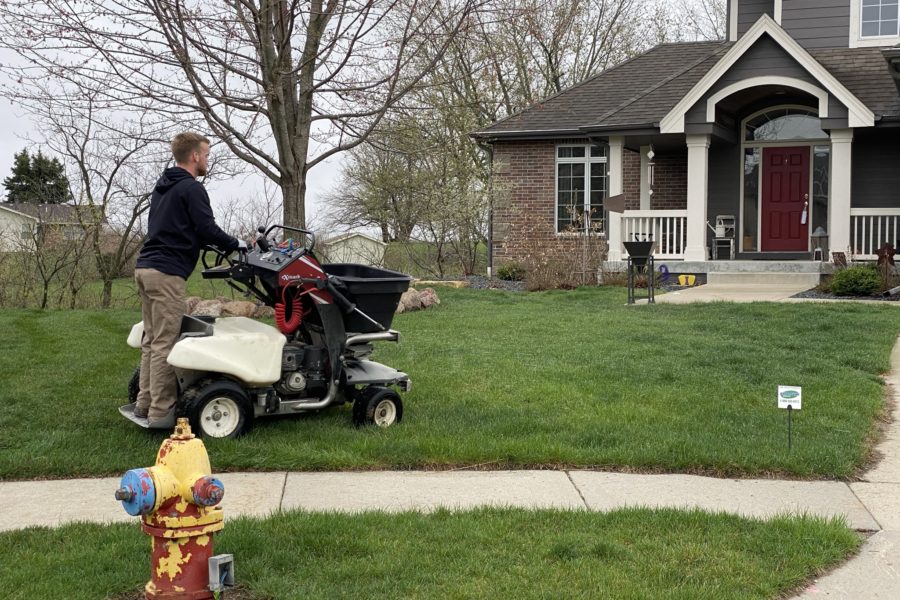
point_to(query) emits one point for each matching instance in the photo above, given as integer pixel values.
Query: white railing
(668, 228)
(871, 228)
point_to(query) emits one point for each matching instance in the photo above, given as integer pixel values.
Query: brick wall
(525, 205)
(670, 182)
(631, 179)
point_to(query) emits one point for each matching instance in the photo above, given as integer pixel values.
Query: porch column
(840, 184)
(697, 188)
(616, 187)
(645, 178)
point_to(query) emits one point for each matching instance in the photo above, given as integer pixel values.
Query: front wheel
(379, 406)
(218, 408)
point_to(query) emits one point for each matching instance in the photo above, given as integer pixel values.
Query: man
(181, 222)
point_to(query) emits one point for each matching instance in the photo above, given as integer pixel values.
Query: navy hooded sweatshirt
(181, 222)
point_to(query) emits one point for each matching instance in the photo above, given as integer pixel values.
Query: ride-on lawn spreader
(231, 370)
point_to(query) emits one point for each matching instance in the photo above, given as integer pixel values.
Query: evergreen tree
(36, 179)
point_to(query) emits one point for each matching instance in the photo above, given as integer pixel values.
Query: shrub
(856, 281)
(511, 271)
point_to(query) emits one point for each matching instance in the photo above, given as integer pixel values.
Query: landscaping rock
(238, 308)
(191, 304)
(446, 283)
(208, 308)
(429, 297)
(264, 312)
(413, 299)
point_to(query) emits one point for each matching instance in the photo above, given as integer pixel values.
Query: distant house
(357, 248)
(786, 131)
(22, 225)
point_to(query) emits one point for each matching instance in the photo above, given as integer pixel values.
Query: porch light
(820, 241)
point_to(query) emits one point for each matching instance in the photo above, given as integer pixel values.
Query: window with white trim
(879, 18)
(581, 186)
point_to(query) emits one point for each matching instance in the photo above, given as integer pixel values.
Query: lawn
(501, 380)
(488, 553)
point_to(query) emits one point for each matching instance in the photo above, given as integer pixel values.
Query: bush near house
(511, 271)
(862, 280)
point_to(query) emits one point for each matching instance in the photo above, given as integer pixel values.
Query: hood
(171, 177)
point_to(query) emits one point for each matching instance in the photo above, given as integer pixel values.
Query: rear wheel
(218, 408)
(378, 406)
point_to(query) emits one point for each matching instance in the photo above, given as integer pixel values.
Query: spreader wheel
(218, 408)
(379, 406)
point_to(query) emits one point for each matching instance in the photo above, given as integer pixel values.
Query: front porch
(870, 229)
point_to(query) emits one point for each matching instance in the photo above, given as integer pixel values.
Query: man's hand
(242, 246)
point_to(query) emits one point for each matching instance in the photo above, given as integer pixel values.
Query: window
(784, 124)
(878, 18)
(580, 174)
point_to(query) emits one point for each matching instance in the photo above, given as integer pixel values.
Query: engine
(303, 371)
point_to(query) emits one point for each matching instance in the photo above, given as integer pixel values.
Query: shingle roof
(864, 72)
(47, 213)
(615, 89)
(641, 91)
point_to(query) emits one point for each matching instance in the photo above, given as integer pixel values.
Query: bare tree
(697, 19)
(275, 80)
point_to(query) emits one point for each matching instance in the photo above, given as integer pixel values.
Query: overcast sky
(320, 180)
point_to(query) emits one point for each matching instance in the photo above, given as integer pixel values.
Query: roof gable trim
(859, 114)
(15, 212)
(791, 82)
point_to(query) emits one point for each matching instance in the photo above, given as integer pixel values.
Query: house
(23, 224)
(356, 248)
(789, 128)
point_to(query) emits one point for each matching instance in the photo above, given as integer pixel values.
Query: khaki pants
(162, 299)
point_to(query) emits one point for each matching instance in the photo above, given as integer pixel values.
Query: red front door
(785, 200)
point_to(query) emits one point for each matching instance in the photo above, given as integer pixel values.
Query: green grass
(489, 553)
(501, 380)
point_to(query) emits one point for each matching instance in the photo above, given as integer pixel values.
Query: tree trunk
(106, 297)
(294, 195)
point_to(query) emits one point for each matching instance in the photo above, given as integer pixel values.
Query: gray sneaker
(140, 413)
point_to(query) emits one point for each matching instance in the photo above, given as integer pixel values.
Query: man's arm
(204, 222)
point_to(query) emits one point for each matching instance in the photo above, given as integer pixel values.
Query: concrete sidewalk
(259, 494)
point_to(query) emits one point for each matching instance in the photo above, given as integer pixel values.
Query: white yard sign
(790, 396)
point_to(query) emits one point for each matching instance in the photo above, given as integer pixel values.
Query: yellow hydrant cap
(182, 430)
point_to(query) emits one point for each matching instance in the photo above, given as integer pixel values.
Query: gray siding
(817, 23)
(724, 183)
(765, 57)
(876, 177)
(749, 12)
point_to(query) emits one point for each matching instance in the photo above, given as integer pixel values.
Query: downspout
(488, 149)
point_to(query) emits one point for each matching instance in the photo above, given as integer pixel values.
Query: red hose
(288, 326)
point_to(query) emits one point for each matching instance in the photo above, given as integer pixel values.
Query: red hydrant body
(177, 500)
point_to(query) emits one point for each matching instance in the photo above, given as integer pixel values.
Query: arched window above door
(784, 123)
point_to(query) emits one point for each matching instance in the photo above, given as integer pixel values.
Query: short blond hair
(184, 144)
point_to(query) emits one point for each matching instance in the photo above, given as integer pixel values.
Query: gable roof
(604, 95)
(859, 114)
(62, 214)
(644, 89)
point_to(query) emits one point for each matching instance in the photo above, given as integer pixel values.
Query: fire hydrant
(177, 500)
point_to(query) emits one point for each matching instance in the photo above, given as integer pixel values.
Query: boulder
(264, 312)
(238, 308)
(428, 297)
(191, 303)
(413, 299)
(207, 308)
